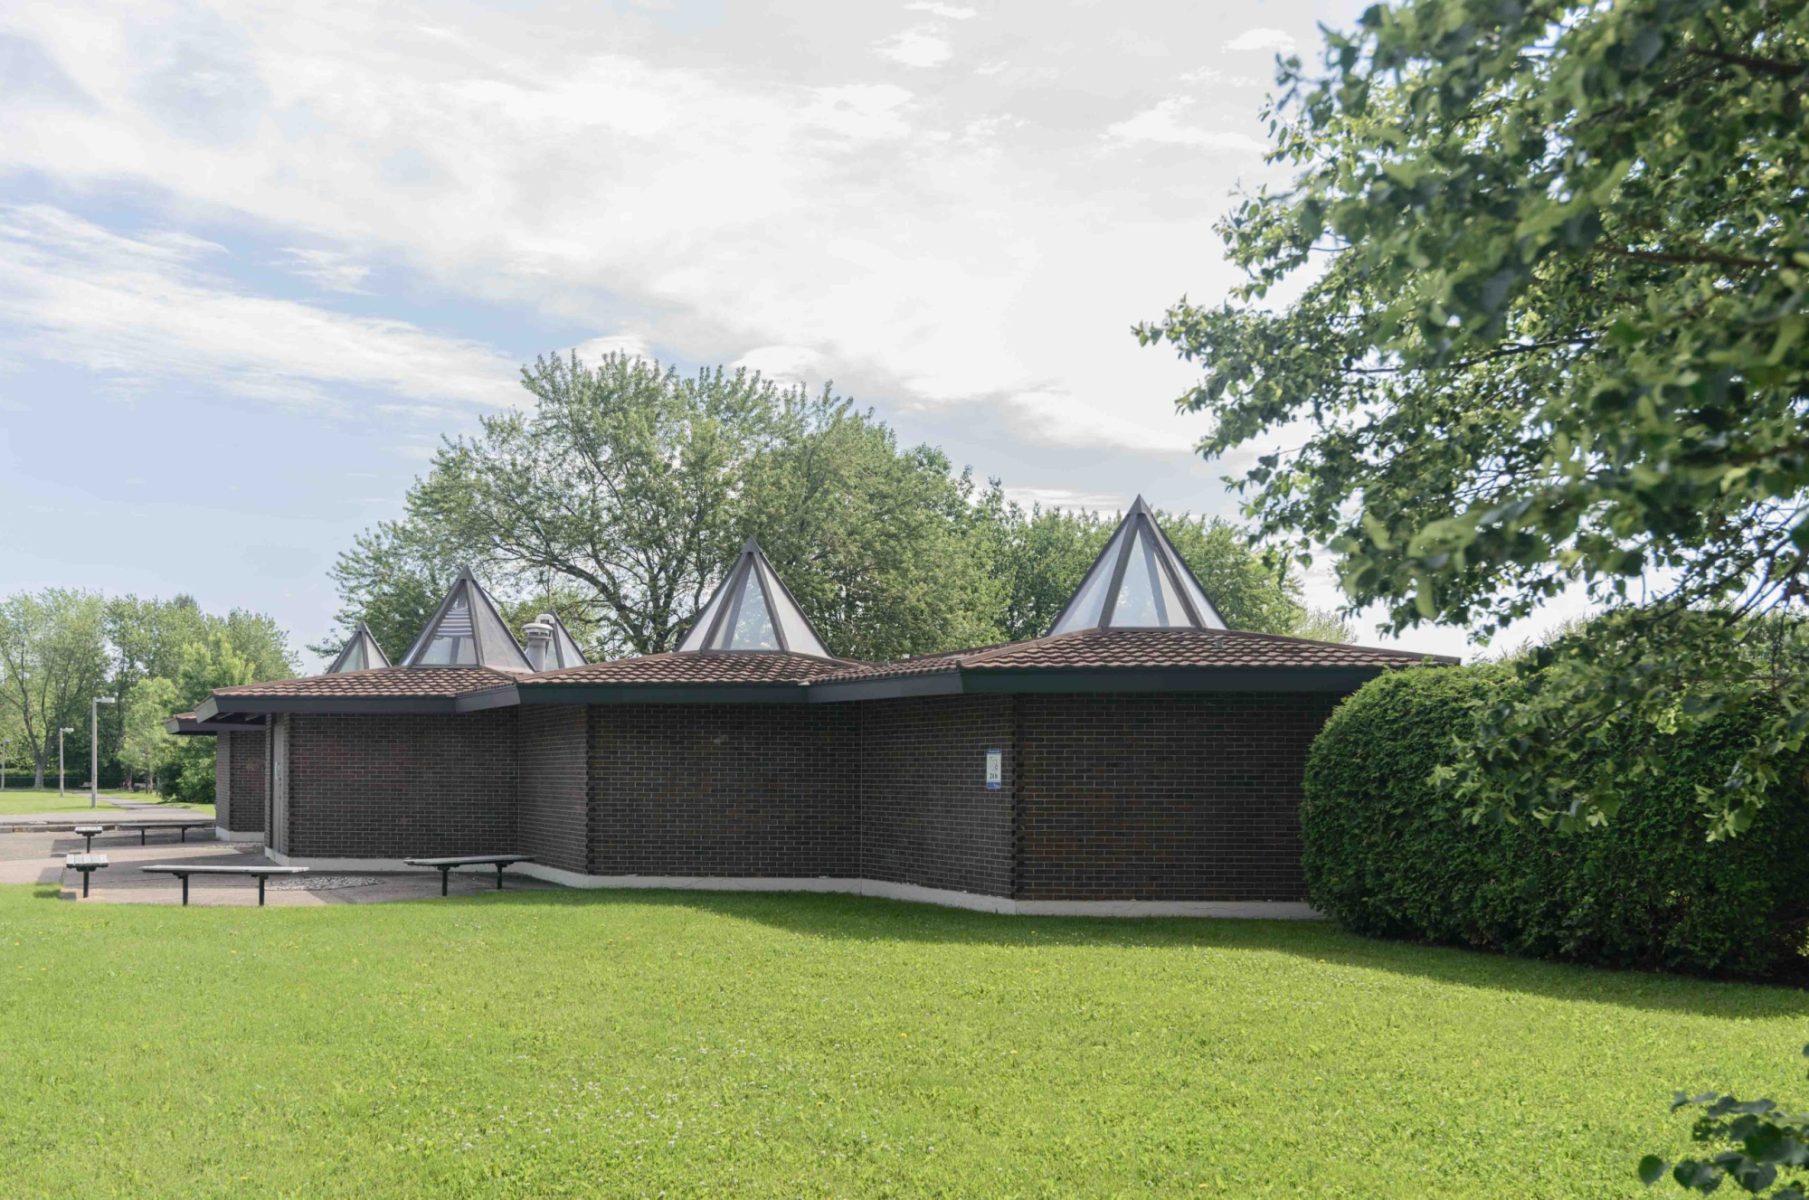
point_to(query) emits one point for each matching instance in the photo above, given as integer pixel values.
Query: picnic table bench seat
(87, 864)
(89, 833)
(183, 870)
(144, 827)
(445, 865)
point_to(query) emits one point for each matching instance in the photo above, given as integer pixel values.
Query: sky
(257, 260)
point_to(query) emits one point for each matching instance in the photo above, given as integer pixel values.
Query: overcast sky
(256, 259)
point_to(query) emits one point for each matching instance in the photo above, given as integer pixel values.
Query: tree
(624, 493)
(1531, 313)
(146, 745)
(52, 659)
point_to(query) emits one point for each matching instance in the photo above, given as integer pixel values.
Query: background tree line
(620, 496)
(60, 647)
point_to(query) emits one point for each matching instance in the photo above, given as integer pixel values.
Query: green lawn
(16, 800)
(548, 1044)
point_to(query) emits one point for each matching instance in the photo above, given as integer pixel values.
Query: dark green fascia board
(502, 697)
(663, 693)
(840, 691)
(1170, 679)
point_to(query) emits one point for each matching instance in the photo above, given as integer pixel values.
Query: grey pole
(94, 749)
(60, 733)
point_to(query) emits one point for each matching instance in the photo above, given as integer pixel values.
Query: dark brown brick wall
(552, 797)
(926, 816)
(400, 786)
(1163, 797)
(240, 806)
(708, 789)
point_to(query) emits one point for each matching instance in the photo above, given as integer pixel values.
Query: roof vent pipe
(539, 633)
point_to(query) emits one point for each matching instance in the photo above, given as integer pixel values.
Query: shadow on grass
(877, 920)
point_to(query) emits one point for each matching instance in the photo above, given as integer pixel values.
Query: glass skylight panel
(700, 629)
(800, 638)
(1139, 594)
(753, 625)
(1088, 607)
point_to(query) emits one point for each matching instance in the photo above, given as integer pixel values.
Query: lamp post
(6, 748)
(94, 749)
(60, 733)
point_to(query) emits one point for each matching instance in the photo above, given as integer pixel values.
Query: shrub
(1390, 855)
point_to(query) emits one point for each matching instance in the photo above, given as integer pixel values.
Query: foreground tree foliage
(619, 498)
(1764, 1147)
(1547, 267)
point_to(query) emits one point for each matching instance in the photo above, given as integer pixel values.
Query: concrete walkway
(38, 858)
(110, 810)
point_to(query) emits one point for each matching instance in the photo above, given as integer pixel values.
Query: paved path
(38, 858)
(112, 809)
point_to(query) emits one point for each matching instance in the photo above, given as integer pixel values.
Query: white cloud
(948, 12)
(144, 310)
(782, 364)
(923, 46)
(1068, 498)
(1161, 123)
(328, 268)
(1276, 41)
(631, 344)
(936, 254)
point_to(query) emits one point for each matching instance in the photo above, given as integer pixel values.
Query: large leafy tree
(1529, 316)
(620, 496)
(52, 659)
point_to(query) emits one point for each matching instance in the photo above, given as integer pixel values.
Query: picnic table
(183, 870)
(445, 865)
(87, 864)
(145, 827)
(89, 832)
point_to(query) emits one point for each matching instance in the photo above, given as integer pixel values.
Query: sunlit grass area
(16, 800)
(567, 1043)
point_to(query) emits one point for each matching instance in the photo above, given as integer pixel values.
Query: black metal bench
(89, 833)
(445, 865)
(183, 870)
(87, 864)
(145, 827)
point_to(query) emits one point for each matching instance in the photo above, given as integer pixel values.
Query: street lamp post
(60, 733)
(94, 749)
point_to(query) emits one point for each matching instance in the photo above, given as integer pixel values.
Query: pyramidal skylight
(360, 653)
(565, 652)
(753, 610)
(1138, 582)
(467, 631)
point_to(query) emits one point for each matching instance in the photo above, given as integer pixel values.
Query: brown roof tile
(1105, 649)
(380, 682)
(715, 666)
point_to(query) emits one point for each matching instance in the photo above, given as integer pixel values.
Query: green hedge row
(1388, 856)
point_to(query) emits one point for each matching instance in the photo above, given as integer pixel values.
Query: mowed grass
(17, 800)
(640, 1044)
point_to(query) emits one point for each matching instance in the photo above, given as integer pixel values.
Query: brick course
(402, 785)
(926, 816)
(239, 781)
(719, 789)
(1163, 796)
(553, 798)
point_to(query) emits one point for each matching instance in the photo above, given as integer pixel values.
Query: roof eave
(765, 692)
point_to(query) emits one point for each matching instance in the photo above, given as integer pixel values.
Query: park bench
(87, 864)
(183, 870)
(89, 833)
(445, 865)
(145, 827)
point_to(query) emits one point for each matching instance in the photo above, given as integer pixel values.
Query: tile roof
(379, 682)
(691, 667)
(1146, 649)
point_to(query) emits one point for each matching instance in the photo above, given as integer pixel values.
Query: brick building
(1140, 758)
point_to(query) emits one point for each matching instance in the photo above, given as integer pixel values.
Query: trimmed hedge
(1387, 855)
